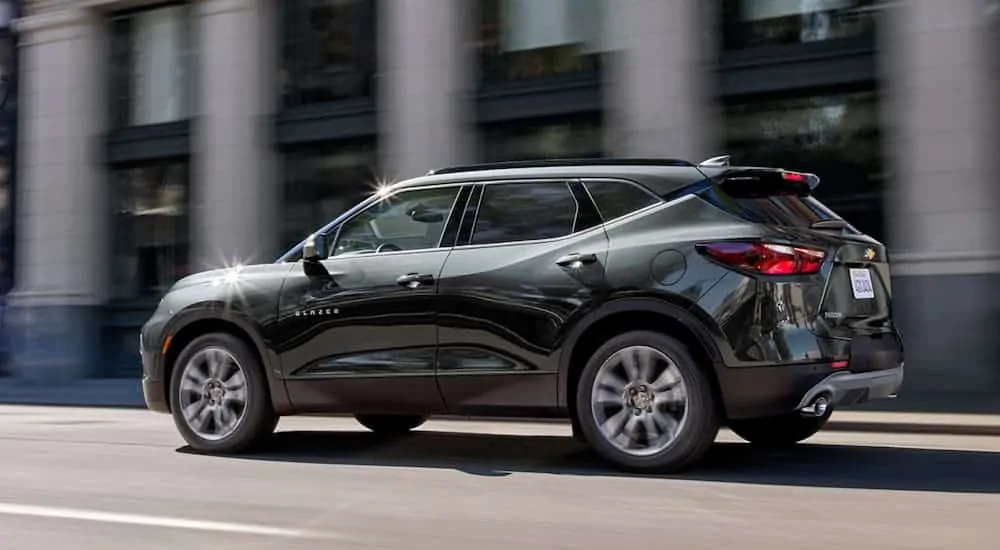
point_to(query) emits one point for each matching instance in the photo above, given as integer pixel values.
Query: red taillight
(839, 364)
(793, 176)
(766, 258)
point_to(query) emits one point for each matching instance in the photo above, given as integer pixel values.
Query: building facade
(159, 138)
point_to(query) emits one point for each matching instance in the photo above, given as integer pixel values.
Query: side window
(513, 212)
(408, 220)
(617, 198)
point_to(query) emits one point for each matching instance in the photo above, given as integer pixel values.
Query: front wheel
(389, 424)
(778, 431)
(219, 396)
(644, 404)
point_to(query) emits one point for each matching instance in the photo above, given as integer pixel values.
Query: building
(160, 138)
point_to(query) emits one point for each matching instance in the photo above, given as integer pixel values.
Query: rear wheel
(219, 396)
(390, 424)
(644, 404)
(779, 431)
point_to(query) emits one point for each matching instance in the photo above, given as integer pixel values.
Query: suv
(649, 301)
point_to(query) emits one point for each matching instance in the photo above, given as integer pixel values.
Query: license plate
(861, 284)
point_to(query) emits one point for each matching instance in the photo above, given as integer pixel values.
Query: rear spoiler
(736, 179)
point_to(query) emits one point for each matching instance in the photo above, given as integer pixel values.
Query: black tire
(778, 431)
(258, 419)
(390, 424)
(698, 430)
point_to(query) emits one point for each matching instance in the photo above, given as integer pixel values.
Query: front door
(527, 263)
(360, 334)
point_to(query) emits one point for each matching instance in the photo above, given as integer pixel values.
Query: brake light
(766, 258)
(793, 176)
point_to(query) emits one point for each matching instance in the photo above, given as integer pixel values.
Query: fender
(217, 311)
(667, 306)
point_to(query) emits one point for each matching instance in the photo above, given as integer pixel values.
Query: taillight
(766, 258)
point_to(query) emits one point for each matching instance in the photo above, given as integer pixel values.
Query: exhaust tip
(818, 407)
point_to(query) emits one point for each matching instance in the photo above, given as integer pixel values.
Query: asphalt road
(121, 479)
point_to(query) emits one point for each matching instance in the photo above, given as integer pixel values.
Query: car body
(650, 301)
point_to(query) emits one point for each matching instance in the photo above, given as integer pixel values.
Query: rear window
(771, 203)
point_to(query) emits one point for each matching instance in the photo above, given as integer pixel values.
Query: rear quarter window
(615, 199)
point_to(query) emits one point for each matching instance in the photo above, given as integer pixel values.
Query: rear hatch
(856, 295)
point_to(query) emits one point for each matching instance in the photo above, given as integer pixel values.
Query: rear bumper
(850, 388)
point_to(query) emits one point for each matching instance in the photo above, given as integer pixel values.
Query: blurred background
(141, 141)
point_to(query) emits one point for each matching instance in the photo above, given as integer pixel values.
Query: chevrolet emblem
(870, 254)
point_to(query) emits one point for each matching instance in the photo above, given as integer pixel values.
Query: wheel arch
(638, 313)
(206, 319)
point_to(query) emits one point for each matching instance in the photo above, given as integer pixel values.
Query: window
(321, 183)
(328, 51)
(835, 136)
(513, 212)
(617, 198)
(750, 23)
(407, 220)
(150, 66)
(527, 39)
(151, 237)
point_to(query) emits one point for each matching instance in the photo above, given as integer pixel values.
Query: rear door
(530, 258)
(857, 295)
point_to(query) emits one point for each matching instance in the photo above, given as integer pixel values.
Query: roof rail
(552, 163)
(722, 160)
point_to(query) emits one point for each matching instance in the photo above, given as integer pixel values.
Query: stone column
(234, 187)
(940, 118)
(53, 326)
(659, 89)
(425, 85)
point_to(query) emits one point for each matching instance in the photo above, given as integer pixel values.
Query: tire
(390, 424)
(255, 420)
(694, 429)
(778, 431)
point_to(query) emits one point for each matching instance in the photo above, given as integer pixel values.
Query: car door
(529, 259)
(358, 330)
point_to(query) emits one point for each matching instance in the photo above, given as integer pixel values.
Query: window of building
(514, 212)
(151, 66)
(750, 23)
(152, 235)
(577, 137)
(835, 136)
(408, 220)
(527, 39)
(8, 142)
(615, 199)
(323, 182)
(328, 51)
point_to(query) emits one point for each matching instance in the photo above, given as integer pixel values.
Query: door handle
(413, 280)
(576, 259)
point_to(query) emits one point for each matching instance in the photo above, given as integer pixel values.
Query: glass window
(151, 237)
(150, 66)
(617, 198)
(328, 51)
(749, 23)
(834, 136)
(407, 220)
(526, 39)
(577, 137)
(513, 212)
(323, 182)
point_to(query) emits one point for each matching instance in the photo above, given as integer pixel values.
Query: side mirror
(314, 248)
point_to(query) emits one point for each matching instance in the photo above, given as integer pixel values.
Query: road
(121, 479)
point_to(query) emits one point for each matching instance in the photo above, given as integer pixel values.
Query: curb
(912, 428)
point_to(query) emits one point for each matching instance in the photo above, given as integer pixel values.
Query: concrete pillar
(659, 90)
(53, 326)
(940, 109)
(234, 189)
(425, 86)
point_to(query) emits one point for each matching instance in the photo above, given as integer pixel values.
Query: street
(78, 478)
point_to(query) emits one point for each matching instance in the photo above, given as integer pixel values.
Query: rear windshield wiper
(832, 224)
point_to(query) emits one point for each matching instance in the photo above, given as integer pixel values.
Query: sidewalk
(966, 416)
